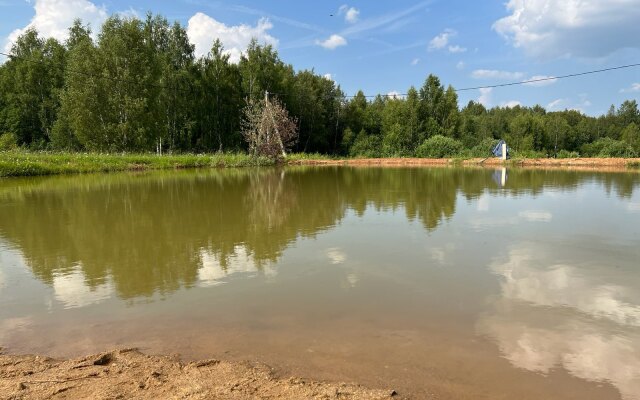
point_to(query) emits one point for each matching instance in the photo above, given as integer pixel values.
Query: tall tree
(31, 84)
(222, 99)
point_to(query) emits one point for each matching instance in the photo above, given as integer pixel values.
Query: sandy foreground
(580, 163)
(130, 374)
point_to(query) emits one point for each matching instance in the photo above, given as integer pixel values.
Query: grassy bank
(23, 163)
(20, 163)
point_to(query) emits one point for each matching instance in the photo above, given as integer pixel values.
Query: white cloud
(415, 61)
(72, 290)
(552, 316)
(543, 339)
(203, 30)
(483, 203)
(540, 80)
(482, 223)
(394, 94)
(351, 14)
(336, 255)
(510, 104)
(441, 254)
(495, 74)
(527, 277)
(460, 65)
(457, 49)
(559, 28)
(54, 17)
(438, 254)
(130, 13)
(485, 97)
(631, 207)
(353, 280)
(215, 270)
(562, 104)
(554, 105)
(635, 87)
(535, 215)
(442, 40)
(332, 42)
(328, 76)
(385, 20)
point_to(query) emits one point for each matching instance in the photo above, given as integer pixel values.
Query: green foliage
(631, 136)
(608, 147)
(484, 149)
(295, 157)
(567, 154)
(522, 154)
(366, 145)
(397, 141)
(20, 163)
(439, 147)
(8, 141)
(138, 87)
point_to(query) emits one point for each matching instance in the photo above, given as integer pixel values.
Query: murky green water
(458, 283)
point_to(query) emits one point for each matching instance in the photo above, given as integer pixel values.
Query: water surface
(456, 283)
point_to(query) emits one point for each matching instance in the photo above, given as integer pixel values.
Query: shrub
(528, 154)
(366, 146)
(484, 148)
(396, 142)
(439, 146)
(567, 154)
(607, 147)
(8, 141)
(617, 149)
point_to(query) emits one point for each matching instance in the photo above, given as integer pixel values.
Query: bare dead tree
(268, 128)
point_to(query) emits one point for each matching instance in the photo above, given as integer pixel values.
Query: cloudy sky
(386, 46)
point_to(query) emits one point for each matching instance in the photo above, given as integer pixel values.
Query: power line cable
(550, 78)
(525, 82)
(395, 95)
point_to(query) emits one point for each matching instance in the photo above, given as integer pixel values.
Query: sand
(130, 374)
(596, 163)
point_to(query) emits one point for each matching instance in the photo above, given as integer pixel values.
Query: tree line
(138, 87)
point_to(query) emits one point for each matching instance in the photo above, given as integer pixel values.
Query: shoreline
(23, 164)
(129, 373)
(591, 163)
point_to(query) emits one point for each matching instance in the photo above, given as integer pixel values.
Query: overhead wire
(389, 95)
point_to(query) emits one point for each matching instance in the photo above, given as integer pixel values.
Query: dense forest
(138, 87)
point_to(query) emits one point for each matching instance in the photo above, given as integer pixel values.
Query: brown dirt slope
(607, 163)
(130, 374)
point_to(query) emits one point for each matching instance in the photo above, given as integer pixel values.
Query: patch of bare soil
(130, 374)
(596, 163)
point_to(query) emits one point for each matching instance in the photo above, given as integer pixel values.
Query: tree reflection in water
(158, 232)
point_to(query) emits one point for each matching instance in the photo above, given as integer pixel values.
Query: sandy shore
(599, 163)
(128, 373)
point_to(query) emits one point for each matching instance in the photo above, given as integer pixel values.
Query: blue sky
(386, 46)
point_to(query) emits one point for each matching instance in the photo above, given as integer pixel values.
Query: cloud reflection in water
(565, 316)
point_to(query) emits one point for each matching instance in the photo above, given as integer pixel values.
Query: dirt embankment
(128, 374)
(606, 163)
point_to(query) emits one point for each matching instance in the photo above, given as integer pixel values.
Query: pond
(451, 282)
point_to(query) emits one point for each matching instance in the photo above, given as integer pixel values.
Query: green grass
(633, 164)
(22, 163)
(292, 158)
